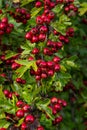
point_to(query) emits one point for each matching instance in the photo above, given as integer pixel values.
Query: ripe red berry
(56, 59)
(43, 75)
(51, 15)
(34, 31)
(57, 67)
(3, 129)
(20, 113)
(58, 107)
(50, 73)
(40, 128)
(42, 37)
(26, 108)
(64, 103)
(53, 100)
(38, 77)
(59, 44)
(29, 119)
(35, 51)
(43, 64)
(28, 16)
(39, 20)
(34, 39)
(38, 4)
(43, 29)
(28, 36)
(6, 92)
(50, 64)
(46, 51)
(46, 20)
(4, 20)
(23, 11)
(23, 126)
(3, 26)
(15, 65)
(10, 95)
(20, 104)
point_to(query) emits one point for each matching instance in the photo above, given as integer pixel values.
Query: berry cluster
(56, 106)
(5, 27)
(37, 34)
(52, 47)
(46, 68)
(20, 80)
(40, 33)
(69, 6)
(9, 94)
(21, 15)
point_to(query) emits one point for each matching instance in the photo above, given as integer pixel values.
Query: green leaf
(43, 106)
(20, 71)
(25, 2)
(26, 65)
(83, 8)
(17, 88)
(4, 123)
(35, 11)
(58, 8)
(10, 54)
(61, 24)
(63, 78)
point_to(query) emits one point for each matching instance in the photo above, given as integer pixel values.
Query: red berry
(54, 111)
(20, 104)
(43, 29)
(43, 75)
(3, 129)
(23, 11)
(50, 73)
(28, 36)
(34, 31)
(31, 58)
(23, 126)
(26, 108)
(29, 119)
(64, 103)
(3, 26)
(10, 95)
(4, 20)
(28, 16)
(57, 107)
(34, 39)
(42, 37)
(43, 64)
(50, 64)
(46, 51)
(38, 4)
(6, 92)
(59, 101)
(35, 51)
(59, 44)
(57, 67)
(20, 113)
(53, 100)
(15, 66)
(51, 15)
(56, 59)
(49, 43)
(46, 20)
(39, 20)
(38, 77)
(40, 128)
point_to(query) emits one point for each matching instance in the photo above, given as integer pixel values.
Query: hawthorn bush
(43, 58)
